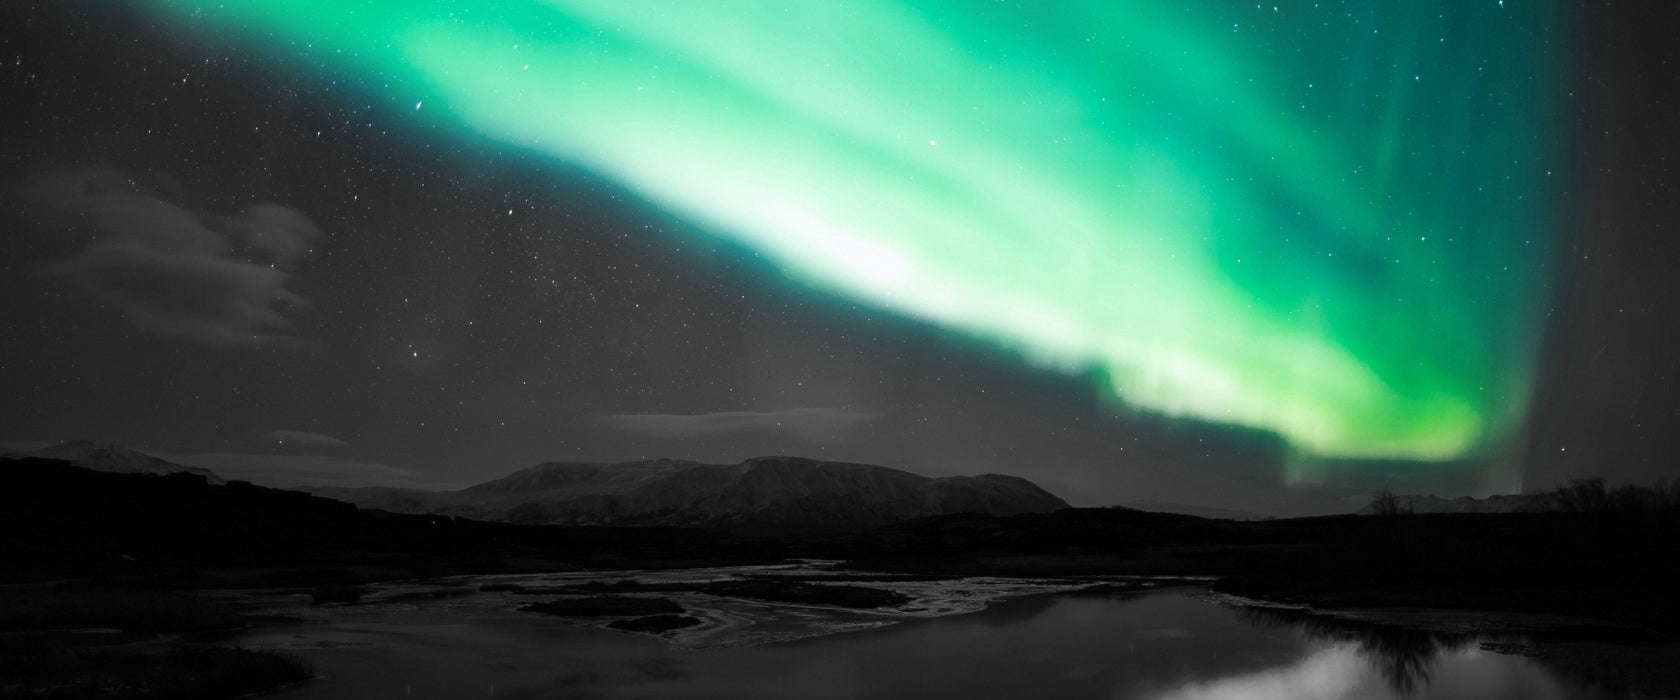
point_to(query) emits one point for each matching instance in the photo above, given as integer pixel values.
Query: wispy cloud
(813, 424)
(300, 438)
(174, 271)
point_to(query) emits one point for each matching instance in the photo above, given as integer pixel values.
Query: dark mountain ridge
(790, 495)
(58, 521)
(1502, 503)
(110, 457)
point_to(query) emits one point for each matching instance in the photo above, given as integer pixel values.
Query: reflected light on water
(1162, 645)
(1329, 674)
(1348, 670)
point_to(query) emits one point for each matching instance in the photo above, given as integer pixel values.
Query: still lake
(967, 638)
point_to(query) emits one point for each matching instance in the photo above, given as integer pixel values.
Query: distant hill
(110, 458)
(1198, 511)
(1511, 503)
(59, 522)
(782, 495)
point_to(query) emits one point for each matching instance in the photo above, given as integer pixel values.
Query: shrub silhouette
(1582, 496)
(1385, 502)
(1592, 496)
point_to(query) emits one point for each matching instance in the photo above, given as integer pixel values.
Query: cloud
(813, 424)
(299, 438)
(290, 471)
(176, 272)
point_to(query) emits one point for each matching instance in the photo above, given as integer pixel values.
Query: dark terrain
(785, 495)
(1604, 561)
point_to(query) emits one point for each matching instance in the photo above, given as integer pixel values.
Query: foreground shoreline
(77, 532)
(1605, 655)
(1630, 659)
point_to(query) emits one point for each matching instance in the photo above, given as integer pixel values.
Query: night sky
(1266, 257)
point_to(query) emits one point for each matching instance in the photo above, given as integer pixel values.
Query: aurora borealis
(1328, 222)
(1263, 258)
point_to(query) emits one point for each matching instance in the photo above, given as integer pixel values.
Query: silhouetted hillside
(786, 495)
(1198, 511)
(110, 457)
(1616, 564)
(62, 520)
(1388, 504)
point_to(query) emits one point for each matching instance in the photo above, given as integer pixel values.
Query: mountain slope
(784, 495)
(112, 458)
(1508, 503)
(1198, 511)
(58, 522)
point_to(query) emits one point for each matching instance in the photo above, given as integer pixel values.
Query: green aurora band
(1330, 223)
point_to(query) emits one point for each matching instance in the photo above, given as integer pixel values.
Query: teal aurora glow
(1330, 222)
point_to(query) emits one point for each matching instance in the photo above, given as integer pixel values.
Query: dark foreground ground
(99, 570)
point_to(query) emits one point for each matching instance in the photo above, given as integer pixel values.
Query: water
(1173, 644)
